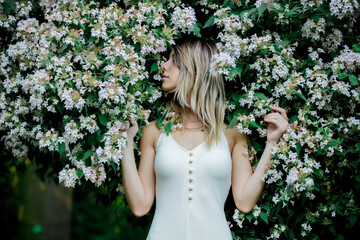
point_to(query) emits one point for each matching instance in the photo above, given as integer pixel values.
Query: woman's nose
(163, 66)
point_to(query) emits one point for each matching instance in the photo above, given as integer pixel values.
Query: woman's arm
(139, 185)
(246, 185)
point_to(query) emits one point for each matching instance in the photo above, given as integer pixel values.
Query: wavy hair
(205, 91)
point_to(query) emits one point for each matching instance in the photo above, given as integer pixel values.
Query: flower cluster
(183, 19)
(344, 8)
(314, 30)
(89, 65)
(255, 215)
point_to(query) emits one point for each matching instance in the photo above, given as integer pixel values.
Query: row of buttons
(191, 179)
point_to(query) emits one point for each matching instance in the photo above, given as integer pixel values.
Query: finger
(132, 122)
(279, 121)
(281, 111)
(278, 109)
(272, 121)
(276, 114)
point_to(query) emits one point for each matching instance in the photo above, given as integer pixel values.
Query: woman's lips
(163, 76)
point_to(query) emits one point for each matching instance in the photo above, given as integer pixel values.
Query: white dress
(191, 190)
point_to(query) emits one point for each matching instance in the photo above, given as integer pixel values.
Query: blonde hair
(195, 82)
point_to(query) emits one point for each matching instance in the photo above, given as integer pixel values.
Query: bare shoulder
(151, 128)
(150, 133)
(233, 136)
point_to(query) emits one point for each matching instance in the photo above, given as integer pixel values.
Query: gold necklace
(196, 129)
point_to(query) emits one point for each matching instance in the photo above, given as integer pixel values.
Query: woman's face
(170, 74)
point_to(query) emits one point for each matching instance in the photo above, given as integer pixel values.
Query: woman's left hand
(278, 123)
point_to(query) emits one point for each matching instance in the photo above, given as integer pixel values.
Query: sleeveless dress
(191, 190)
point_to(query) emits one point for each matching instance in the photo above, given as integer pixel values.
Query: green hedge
(72, 72)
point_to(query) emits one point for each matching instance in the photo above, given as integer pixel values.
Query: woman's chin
(167, 89)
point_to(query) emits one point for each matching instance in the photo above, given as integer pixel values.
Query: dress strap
(160, 140)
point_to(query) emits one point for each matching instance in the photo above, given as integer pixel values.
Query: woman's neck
(191, 116)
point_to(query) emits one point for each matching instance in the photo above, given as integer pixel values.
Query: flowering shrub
(73, 72)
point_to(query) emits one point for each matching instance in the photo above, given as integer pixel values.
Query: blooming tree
(72, 74)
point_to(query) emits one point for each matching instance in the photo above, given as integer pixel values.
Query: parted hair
(195, 83)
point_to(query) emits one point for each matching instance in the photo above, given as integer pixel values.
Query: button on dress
(191, 190)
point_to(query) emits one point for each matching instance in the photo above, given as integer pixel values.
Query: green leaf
(264, 217)
(60, 107)
(159, 122)
(343, 75)
(139, 132)
(90, 96)
(268, 107)
(103, 120)
(226, 2)
(341, 172)
(293, 118)
(261, 10)
(339, 237)
(357, 178)
(267, 208)
(257, 146)
(293, 12)
(78, 46)
(86, 110)
(53, 87)
(237, 96)
(352, 220)
(238, 70)
(167, 128)
(71, 83)
(283, 43)
(91, 39)
(298, 148)
(301, 96)
(196, 30)
(113, 165)
(254, 124)
(107, 75)
(87, 154)
(65, 46)
(8, 5)
(61, 148)
(332, 229)
(79, 173)
(249, 216)
(358, 146)
(233, 122)
(260, 95)
(154, 68)
(210, 21)
(353, 80)
(356, 48)
(334, 143)
(91, 140)
(80, 4)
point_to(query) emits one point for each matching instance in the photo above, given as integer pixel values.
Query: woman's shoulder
(151, 129)
(150, 132)
(233, 135)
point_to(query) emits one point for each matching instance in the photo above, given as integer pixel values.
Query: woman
(191, 170)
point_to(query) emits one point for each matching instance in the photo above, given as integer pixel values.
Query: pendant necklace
(196, 129)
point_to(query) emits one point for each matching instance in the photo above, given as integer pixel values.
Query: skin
(247, 186)
(170, 77)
